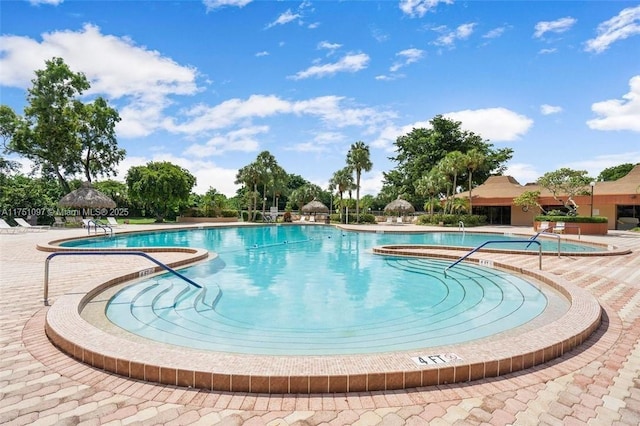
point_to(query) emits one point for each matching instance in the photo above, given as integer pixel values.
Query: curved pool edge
(217, 371)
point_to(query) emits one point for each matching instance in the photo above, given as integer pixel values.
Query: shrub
(573, 219)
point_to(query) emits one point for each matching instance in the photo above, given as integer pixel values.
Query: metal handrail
(497, 242)
(546, 233)
(100, 225)
(107, 253)
(461, 226)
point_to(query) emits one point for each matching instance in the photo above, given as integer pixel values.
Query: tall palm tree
(249, 176)
(431, 185)
(342, 181)
(358, 160)
(473, 160)
(451, 165)
(266, 165)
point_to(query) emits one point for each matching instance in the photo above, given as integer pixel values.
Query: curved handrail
(97, 225)
(496, 242)
(546, 233)
(107, 253)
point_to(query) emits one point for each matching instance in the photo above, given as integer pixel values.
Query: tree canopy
(162, 187)
(422, 149)
(59, 133)
(615, 172)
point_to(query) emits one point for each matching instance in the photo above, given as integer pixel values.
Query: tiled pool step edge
(287, 374)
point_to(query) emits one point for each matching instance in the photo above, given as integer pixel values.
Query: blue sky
(210, 84)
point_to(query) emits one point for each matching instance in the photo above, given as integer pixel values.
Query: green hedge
(452, 219)
(572, 219)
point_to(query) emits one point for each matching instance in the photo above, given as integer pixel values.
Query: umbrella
(315, 206)
(86, 197)
(399, 206)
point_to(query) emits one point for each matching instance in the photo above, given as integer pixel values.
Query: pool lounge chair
(5, 228)
(558, 228)
(58, 221)
(544, 226)
(112, 222)
(26, 225)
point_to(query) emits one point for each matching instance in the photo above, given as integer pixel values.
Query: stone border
(318, 374)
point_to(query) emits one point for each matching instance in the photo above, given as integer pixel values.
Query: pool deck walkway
(597, 384)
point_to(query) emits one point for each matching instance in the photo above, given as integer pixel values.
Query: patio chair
(544, 226)
(389, 220)
(26, 225)
(558, 228)
(312, 218)
(5, 228)
(112, 222)
(58, 222)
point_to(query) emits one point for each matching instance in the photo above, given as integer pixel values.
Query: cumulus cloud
(285, 18)
(243, 139)
(348, 63)
(549, 109)
(619, 114)
(329, 46)
(448, 37)
(263, 53)
(418, 8)
(495, 124)
(558, 26)
(495, 33)
(620, 27)
(407, 56)
(217, 4)
(141, 79)
(523, 173)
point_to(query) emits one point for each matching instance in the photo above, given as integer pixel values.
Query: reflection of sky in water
(313, 284)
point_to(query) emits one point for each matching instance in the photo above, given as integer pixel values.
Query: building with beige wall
(616, 200)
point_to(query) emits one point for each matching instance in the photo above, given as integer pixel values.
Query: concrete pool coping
(316, 374)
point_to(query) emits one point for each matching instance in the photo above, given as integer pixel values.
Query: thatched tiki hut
(314, 207)
(400, 207)
(91, 201)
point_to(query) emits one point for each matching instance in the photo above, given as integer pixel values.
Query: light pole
(592, 185)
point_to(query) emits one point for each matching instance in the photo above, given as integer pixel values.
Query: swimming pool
(310, 290)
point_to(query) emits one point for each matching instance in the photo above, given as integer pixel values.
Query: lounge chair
(302, 219)
(558, 228)
(389, 220)
(26, 225)
(399, 220)
(544, 226)
(59, 222)
(112, 222)
(312, 218)
(8, 229)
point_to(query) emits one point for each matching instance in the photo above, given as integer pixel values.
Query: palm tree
(342, 181)
(451, 165)
(249, 176)
(358, 160)
(473, 160)
(431, 185)
(266, 165)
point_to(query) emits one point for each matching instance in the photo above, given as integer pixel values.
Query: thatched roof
(86, 197)
(315, 206)
(399, 206)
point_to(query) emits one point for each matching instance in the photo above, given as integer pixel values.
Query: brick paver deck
(598, 383)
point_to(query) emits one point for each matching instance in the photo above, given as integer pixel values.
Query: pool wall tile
(203, 380)
(504, 366)
(357, 383)
(299, 384)
(122, 367)
(152, 373)
(222, 382)
(412, 379)
(278, 384)
(240, 383)
(376, 381)
(110, 364)
(491, 369)
(318, 384)
(168, 376)
(462, 373)
(338, 384)
(476, 371)
(185, 378)
(430, 377)
(446, 375)
(395, 380)
(136, 370)
(516, 363)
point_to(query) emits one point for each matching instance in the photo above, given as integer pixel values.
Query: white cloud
(495, 33)
(48, 2)
(243, 139)
(620, 27)
(547, 51)
(549, 109)
(495, 124)
(417, 8)
(285, 18)
(558, 26)
(329, 46)
(448, 38)
(349, 63)
(141, 79)
(408, 56)
(619, 114)
(217, 4)
(523, 173)
(263, 53)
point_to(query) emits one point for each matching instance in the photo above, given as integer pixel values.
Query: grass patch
(141, 220)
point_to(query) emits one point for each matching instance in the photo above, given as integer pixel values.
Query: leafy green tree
(305, 194)
(340, 182)
(421, 149)
(529, 199)
(359, 160)
(58, 132)
(567, 183)
(162, 187)
(615, 172)
(249, 176)
(431, 186)
(473, 160)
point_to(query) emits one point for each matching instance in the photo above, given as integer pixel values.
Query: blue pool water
(315, 290)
